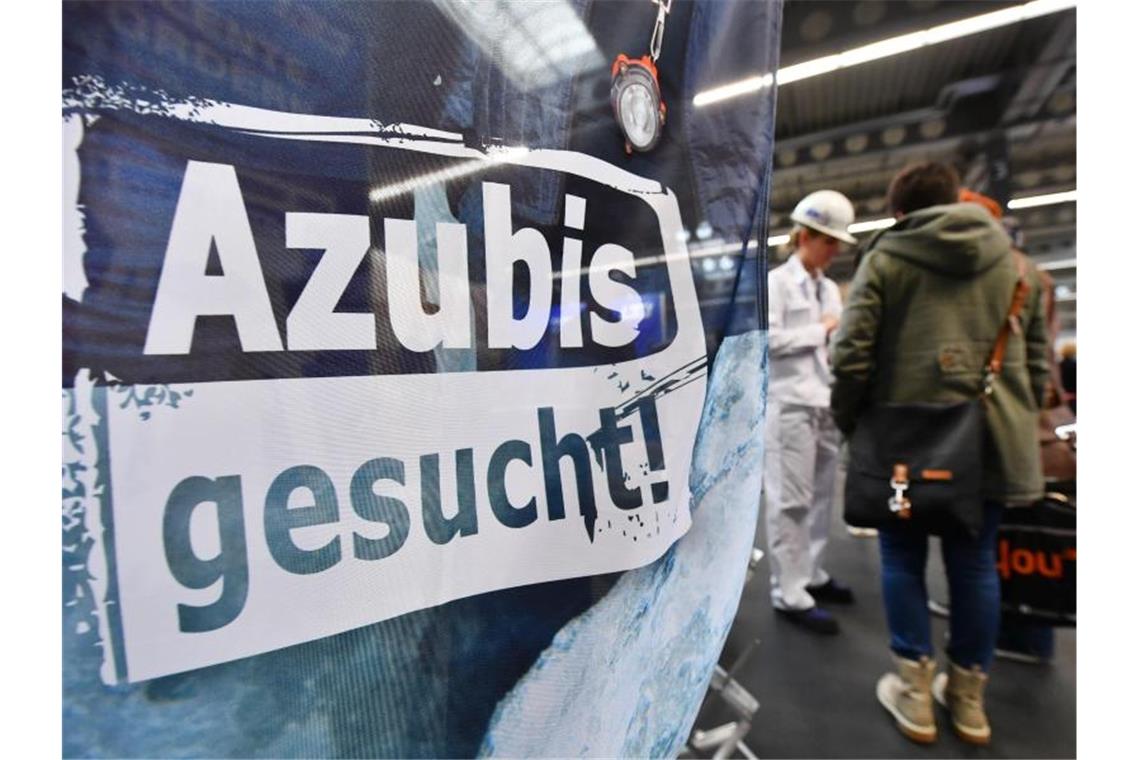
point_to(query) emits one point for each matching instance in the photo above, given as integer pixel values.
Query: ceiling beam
(1057, 57)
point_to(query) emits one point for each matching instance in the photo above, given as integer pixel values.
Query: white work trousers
(801, 453)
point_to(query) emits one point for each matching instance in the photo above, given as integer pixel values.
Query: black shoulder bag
(921, 464)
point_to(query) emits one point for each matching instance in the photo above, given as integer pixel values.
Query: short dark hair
(921, 185)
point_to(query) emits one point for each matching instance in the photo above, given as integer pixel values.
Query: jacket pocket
(961, 367)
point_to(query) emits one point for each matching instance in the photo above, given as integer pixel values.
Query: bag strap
(1010, 323)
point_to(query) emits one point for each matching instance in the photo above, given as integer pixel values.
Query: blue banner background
(607, 665)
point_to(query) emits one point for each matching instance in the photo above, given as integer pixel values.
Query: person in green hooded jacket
(926, 305)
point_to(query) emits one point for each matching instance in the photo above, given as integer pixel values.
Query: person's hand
(829, 322)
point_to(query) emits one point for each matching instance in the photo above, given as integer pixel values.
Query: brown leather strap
(1020, 294)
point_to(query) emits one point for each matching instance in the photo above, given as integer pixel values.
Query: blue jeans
(975, 594)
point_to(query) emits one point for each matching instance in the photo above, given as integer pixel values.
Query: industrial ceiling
(998, 104)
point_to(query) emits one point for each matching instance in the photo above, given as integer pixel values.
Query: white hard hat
(828, 212)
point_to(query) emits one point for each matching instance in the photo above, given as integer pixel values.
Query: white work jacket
(799, 371)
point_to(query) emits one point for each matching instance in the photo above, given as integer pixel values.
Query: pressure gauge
(636, 99)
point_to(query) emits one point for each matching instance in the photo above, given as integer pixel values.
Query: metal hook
(989, 382)
(658, 37)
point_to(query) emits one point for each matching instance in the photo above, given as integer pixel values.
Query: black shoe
(833, 591)
(813, 618)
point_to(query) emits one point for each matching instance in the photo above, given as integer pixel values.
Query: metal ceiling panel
(907, 81)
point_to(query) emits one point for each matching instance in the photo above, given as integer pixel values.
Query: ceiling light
(873, 224)
(1044, 200)
(805, 70)
(717, 247)
(893, 136)
(820, 150)
(857, 227)
(1050, 266)
(885, 48)
(856, 143)
(495, 155)
(736, 89)
(932, 129)
(534, 47)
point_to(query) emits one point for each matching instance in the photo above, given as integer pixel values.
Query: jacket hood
(960, 239)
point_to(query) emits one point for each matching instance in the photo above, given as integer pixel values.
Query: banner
(369, 313)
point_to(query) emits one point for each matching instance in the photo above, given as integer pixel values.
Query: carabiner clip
(663, 7)
(899, 504)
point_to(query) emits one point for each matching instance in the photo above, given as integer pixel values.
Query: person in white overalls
(801, 441)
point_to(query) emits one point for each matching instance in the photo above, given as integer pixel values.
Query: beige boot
(906, 695)
(961, 693)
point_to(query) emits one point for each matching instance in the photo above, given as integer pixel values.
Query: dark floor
(816, 693)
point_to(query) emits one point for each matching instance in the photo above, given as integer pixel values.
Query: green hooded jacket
(923, 314)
